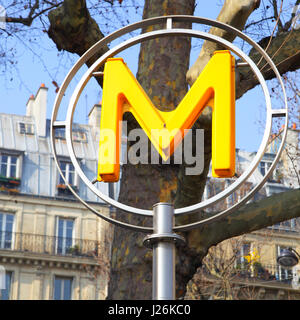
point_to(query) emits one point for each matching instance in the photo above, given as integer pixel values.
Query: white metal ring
(150, 35)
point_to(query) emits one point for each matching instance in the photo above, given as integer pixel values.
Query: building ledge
(51, 261)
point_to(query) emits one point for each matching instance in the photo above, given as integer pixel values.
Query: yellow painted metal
(122, 93)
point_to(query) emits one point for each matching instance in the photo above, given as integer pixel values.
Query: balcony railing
(41, 244)
(270, 273)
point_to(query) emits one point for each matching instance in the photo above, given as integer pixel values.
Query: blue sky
(42, 63)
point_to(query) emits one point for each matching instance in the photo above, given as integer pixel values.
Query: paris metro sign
(215, 87)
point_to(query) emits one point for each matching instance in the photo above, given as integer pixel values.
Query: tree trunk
(163, 64)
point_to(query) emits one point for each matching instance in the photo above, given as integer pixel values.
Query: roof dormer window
(77, 135)
(26, 128)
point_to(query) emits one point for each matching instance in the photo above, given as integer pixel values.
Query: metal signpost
(163, 241)
(162, 237)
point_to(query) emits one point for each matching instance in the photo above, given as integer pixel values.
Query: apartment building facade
(51, 246)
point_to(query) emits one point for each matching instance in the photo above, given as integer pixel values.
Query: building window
(70, 176)
(9, 166)
(5, 293)
(6, 230)
(60, 133)
(64, 234)
(77, 135)
(264, 166)
(275, 176)
(288, 225)
(26, 128)
(62, 288)
(68, 171)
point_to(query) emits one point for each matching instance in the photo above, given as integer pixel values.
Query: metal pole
(163, 281)
(163, 241)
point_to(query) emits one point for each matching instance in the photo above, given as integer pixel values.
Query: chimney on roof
(29, 105)
(95, 115)
(94, 118)
(36, 107)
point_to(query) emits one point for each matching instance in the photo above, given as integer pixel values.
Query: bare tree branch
(277, 14)
(278, 23)
(258, 22)
(27, 21)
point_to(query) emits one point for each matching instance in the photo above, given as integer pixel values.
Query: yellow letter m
(122, 93)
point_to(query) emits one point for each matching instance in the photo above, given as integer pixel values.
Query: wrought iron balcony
(48, 245)
(265, 272)
(271, 274)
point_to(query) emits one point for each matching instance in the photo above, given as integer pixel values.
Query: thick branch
(234, 13)
(284, 51)
(73, 29)
(251, 217)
